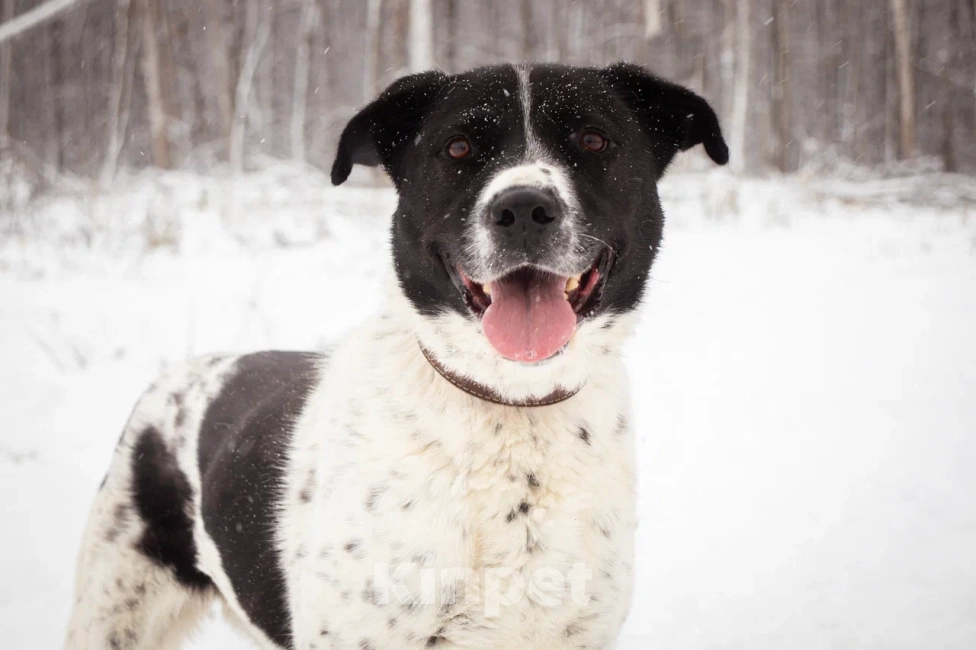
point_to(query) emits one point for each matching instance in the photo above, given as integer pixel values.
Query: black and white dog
(458, 472)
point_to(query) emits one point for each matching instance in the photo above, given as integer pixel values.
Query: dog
(459, 471)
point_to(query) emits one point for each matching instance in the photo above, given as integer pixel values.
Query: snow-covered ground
(804, 382)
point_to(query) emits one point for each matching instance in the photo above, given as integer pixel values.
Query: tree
(374, 9)
(421, 36)
(121, 79)
(12, 27)
(152, 77)
(258, 31)
(906, 81)
(740, 105)
(6, 55)
(652, 18)
(299, 98)
(782, 89)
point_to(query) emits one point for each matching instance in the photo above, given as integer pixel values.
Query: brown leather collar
(489, 394)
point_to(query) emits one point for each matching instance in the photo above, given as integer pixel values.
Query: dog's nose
(524, 209)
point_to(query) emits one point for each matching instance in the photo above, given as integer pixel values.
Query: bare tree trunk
(740, 105)
(727, 56)
(120, 56)
(421, 36)
(299, 98)
(158, 119)
(782, 90)
(948, 127)
(6, 59)
(55, 96)
(451, 45)
(374, 9)
(259, 27)
(51, 119)
(37, 15)
(850, 101)
(528, 37)
(167, 72)
(906, 81)
(652, 18)
(216, 28)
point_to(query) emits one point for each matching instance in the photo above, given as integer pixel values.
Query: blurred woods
(799, 84)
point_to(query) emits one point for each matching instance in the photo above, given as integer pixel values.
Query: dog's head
(528, 213)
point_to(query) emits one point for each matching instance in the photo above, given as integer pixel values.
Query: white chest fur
(419, 515)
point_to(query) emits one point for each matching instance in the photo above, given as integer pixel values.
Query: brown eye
(593, 141)
(458, 148)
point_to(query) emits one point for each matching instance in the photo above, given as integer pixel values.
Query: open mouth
(529, 314)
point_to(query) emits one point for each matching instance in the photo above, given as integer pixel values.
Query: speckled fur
(459, 483)
(374, 480)
(388, 508)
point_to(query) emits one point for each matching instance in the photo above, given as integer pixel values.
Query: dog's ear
(672, 116)
(378, 133)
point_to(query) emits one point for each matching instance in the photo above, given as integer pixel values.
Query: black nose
(524, 209)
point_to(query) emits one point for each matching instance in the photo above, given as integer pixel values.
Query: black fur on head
(446, 242)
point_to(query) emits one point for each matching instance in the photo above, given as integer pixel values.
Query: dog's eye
(458, 148)
(593, 140)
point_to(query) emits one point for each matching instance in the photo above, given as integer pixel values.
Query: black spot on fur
(622, 425)
(373, 496)
(120, 517)
(366, 644)
(522, 508)
(450, 594)
(177, 400)
(370, 594)
(533, 481)
(244, 439)
(164, 501)
(305, 496)
(584, 435)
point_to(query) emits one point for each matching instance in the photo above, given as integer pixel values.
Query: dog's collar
(489, 394)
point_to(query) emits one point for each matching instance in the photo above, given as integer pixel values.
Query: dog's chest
(468, 521)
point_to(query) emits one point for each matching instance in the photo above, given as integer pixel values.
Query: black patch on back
(164, 501)
(243, 442)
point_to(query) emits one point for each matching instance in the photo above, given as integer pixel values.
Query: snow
(804, 381)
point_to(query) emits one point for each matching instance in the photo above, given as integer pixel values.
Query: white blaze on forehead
(535, 169)
(532, 149)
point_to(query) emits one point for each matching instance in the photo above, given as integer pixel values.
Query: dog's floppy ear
(377, 134)
(673, 117)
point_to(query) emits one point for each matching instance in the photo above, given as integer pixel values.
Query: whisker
(601, 241)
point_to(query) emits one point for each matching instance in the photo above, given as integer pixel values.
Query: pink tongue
(529, 318)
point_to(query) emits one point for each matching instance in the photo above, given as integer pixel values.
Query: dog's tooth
(487, 289)
(573, 283)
